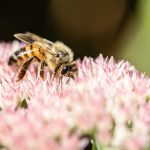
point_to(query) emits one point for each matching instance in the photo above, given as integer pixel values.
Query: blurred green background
(112, 27)
(136, 46)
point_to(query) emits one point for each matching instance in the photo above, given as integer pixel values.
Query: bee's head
(68, 70)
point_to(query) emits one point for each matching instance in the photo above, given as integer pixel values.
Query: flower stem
(95, 145)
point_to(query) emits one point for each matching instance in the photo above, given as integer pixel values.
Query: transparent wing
(33, 39)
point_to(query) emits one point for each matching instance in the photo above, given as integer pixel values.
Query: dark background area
(89, 27)
(19, 16)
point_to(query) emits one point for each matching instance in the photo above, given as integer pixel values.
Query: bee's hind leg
(25, 66)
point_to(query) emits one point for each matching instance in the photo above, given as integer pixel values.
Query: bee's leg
(25, 66)
(41, 69)
(59, 86)
(60, 81)
(53, 76)
(68, 80)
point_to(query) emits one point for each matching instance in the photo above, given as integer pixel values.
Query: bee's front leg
(59, 86)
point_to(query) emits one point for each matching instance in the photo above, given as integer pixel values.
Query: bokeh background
(112, 27)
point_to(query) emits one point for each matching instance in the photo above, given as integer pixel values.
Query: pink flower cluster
(107, 103)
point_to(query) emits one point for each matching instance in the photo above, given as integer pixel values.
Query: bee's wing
(26, 37)
(30, 38)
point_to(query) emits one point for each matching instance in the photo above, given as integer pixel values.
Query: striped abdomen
(24, 54)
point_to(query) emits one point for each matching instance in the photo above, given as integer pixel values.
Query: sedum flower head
(107, 105)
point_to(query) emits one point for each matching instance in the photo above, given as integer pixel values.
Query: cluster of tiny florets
(108, 102)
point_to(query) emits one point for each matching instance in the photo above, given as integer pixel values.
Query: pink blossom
(108, 102)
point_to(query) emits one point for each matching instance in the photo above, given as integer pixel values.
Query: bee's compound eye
(65, 70)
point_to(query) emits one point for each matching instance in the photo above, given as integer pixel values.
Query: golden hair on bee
(56, 55)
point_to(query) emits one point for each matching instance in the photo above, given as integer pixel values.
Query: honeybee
(56, 55)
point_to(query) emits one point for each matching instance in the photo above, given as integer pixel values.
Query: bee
(56, 55)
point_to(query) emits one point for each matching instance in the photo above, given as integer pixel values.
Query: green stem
(95, 145)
